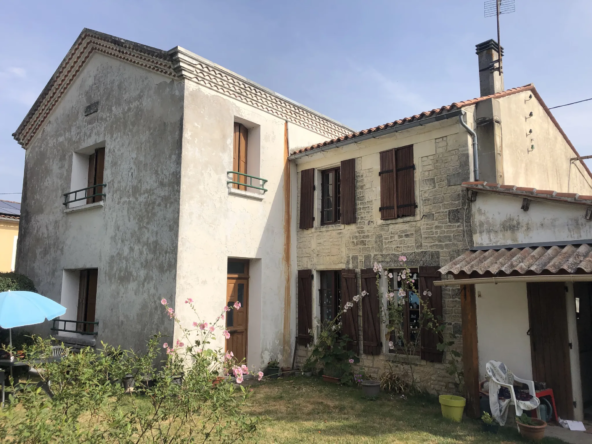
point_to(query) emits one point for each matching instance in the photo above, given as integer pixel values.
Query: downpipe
(475, 144)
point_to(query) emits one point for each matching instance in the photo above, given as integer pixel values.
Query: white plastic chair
(499, 375)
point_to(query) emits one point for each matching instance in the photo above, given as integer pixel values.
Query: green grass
(309, 410)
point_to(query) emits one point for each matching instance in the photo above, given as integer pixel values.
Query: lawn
(309, 410)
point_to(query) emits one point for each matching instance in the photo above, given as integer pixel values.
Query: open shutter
(99, 169)
(388, 173)
(306, 198)
(372, 344)
(82, 299)
(405, 181)
(350, 319)
(242, 155)
(348, 191)
(91, 178)
(304, 307)
(430, 339)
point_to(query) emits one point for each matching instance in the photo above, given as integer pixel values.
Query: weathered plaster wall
(498, 220)
(216, 225)
(8, 231)
(433, 237)
(132, 239)
(547, 166)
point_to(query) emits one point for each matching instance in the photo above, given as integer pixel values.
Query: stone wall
(439, 232)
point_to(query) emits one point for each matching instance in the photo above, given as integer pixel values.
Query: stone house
(395, 189)
(156, 174)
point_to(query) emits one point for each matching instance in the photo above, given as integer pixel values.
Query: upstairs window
(397, 183)
(239, 156)
(96, 166)
(331, 196)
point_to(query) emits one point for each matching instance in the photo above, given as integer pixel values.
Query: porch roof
(534, 263)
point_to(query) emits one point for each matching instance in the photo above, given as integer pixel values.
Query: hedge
(16, 282)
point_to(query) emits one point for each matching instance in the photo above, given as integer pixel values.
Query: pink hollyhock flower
(391, 345)
(226, 334)
(180, 344)
(212, 329)
(239, 379)
(351, 361)
(402, 258)
(237, 305)
(222, 316)
(189, 301)
(170, 310)
(195, 324)
(244, 368)
(163, 301)
(260, 374)
(203, 325)
(226, 308)
(237, 371)
(227, 357)
(165, 345)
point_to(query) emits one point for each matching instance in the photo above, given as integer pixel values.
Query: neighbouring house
(527, 291)
(395, 189)
(156, 174)
(9, 226)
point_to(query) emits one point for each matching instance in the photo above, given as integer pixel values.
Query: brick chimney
(490, 79)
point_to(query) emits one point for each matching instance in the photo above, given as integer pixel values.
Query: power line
(572, 103)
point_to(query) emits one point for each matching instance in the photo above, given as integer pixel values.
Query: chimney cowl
(491, 81)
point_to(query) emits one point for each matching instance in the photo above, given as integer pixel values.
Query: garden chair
(499, 376)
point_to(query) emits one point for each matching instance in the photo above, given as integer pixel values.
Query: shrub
(391, 381)
(15, 282)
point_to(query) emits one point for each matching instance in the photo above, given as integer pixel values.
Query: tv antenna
(497, 8)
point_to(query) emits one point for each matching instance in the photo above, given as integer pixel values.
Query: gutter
(510, 279)
(475, 145)
(374, 135)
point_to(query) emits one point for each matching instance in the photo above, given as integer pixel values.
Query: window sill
(399, 220)
(247, 194)
(85, 207)
(404, 359)
(332, 227)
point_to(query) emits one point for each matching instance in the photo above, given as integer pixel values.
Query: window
(239, 157)
(331, 196)
(96, 166)
(87, 299)
(412, 310)
(397, 183)
(330, 295)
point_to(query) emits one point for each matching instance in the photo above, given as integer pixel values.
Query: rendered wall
(548, 166)
(132, 239)
(497, 219)
(8, 231)
(216, 225)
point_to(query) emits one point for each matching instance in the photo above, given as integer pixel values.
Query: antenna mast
(498, 7)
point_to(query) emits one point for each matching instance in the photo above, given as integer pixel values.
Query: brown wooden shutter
(99, 169)
(388, 173)
(430, 339)
(82, 298)
(239, 154)
(348, 191)
(304, 336)
(91, 177)
(405, 181)
(91, 299)
(349, 320)
(307, 198)
(235, 153)
(372, 344)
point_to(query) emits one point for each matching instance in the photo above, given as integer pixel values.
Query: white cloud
(14, 71)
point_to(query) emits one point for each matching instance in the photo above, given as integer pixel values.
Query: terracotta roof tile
(423, 115)
(528, 192)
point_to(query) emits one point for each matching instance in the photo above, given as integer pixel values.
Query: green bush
(15, 282)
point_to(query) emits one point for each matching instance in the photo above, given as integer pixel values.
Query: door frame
(243, 277)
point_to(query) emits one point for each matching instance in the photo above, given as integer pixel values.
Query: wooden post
(470, 350)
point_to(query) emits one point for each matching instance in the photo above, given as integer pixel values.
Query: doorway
(549, 342)
(583, 295)
(237, 321)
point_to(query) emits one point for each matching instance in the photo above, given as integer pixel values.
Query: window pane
(236, 267)
(241, 293)
(326, 296)
(230, 316)
(327, 198)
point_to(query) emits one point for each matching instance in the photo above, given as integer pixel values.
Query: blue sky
(362, 63)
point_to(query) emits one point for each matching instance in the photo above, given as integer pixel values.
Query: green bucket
(452, 407)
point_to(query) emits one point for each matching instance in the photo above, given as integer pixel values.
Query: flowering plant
(332, 349)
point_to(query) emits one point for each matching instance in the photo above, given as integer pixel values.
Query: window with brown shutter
(304, 336)
(348, 191)
(307, 199)
(329, 295)
(411, 314)
(96, 167)
(431, 300)
(239, 155)
(349, 320)
(330, 196)
(397, 183)
(87, 299)
(372, 343)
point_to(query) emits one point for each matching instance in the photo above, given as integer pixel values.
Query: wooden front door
(549, 342)
(237, 321)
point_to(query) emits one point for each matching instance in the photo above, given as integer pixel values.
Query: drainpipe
(475, 145)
